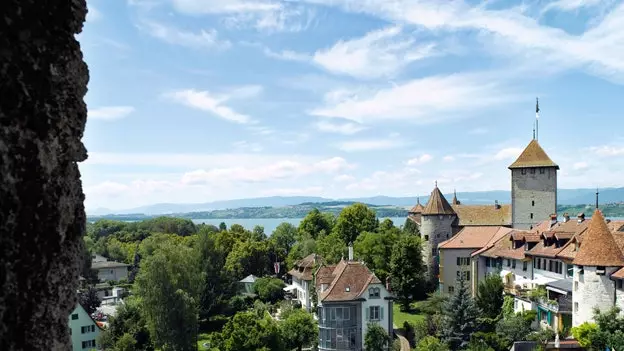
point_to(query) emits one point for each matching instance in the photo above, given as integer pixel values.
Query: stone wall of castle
(533, 195)
(434, 229)
(590, 290)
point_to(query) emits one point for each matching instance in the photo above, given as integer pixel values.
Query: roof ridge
(336, 278)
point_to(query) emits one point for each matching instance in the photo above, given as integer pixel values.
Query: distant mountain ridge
(564, 197)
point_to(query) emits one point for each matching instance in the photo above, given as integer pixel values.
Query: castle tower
(598, 257)
(415, 212)
(533, 187)
(436, 226)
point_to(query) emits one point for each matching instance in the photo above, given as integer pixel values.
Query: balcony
(559, 305)
(516, 290)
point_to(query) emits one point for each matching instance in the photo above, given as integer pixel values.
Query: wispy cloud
(93, 14)
(371, 144)
(209, 102)
(109, 113)
(572, 5)
(426, 100)
(204, 39)
(608, 150)
(348, 128)
(420, 160)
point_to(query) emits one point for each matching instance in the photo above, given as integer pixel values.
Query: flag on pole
(536, 107)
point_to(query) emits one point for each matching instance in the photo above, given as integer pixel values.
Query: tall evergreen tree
(460, 317)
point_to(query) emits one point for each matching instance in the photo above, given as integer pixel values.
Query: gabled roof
(248, 279)
(437, 204)
(350, 279)
(504, 247)
(303, 268)
(418, 208)
(599, 247)
(474, 237)
(481, 215)
(533, 156)
(108, 264)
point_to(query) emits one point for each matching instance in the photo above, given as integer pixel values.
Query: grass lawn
(411, 316)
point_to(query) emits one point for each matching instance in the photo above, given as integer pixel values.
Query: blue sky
(202, 100)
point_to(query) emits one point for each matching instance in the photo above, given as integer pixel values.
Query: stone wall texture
(42, 219)
(593, 291)
(434, 229)
(533, 192)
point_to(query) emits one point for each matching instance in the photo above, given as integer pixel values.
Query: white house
(302, 275)
(110, 270)
(350, 296)
(83, 329)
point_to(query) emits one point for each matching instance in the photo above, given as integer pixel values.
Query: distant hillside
(565, 197)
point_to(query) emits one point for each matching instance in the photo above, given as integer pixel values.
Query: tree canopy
(354, 220)
(490, 295)
(376, 338)
(407, 270)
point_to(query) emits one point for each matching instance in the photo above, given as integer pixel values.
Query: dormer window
(374, 293)
(347, 289)
(600, 270)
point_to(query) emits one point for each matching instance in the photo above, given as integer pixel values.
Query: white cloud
(608, 150)
(244, 145)
(425, 100)
(93, 14)
(571, 5)
(512, 33)
(340, 128)
(204, 39)
(110, 113)
(420, 160)
(205, 101)
(448, 158)
(286, 55)
(370, 145)
(380, 53)
(577, 166)
(508, 153)
(223, 6)
(344, 178)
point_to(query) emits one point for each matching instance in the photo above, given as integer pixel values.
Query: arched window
(373, 293)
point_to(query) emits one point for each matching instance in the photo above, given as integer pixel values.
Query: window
(524, 171)
(513, 264)
(524, 265)
(532, 170)
(87, 329)
(434, 251)
(426, 237)
(542, 170)
(508, 263)
(570, 269)
(374, 313)
(576, 307)
(575, 286)
(373, 293)
(532, 203)
(531, 215)
(515, 304)
(539, 263)
(74, 316)
(600, 270)
(581, 270)
(88, 344)
(487, 262)
(619, 284)
(463, 261)
(451, 289)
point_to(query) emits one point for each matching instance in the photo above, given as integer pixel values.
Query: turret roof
(533, 156)
(418, 208)
(599, 247)
(437, 204)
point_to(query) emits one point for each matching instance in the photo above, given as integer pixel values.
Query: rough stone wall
(42, 219)
(434, 230)
(529, 187)
(593, 291)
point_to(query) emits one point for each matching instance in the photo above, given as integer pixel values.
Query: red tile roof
(437, 204)
(474, 237)
(533, 156)
(304, 267)
(418, 208)
(599, 247)
(350, 279)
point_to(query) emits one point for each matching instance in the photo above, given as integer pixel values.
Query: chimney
(566, 217)
(388, 284)
(496, 205)
(350, 251)
(553, 219)
(581, 217)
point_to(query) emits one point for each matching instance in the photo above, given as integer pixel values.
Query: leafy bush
(269, 289)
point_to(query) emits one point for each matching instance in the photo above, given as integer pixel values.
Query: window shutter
(458, 262)
(367, 313)
(381, 313)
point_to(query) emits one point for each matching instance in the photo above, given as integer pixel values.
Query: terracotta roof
(324, 275)
(600, 247)
(500, 247)
(350, 279)
(619, 274)
(526, 236)
(533, 156)
(415, 219)
(418, 208)
(474, 237)
(481, 215)
(303, 268)
(437, 204)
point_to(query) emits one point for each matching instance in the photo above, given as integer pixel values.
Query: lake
(270, 224)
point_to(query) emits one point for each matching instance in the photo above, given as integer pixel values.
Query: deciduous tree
(490, 296)
(376, 338)
(246, 332)
(89, 300)
(298, 328)
(354, 220)
(269, 289)
(313, 224)
(407, 270)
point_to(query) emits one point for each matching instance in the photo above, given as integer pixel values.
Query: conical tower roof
(533, 156)
(418, 208)
(599, 247)
(437, 204)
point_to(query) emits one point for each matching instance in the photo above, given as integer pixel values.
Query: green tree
(248, 257)
(407, 270)
(218, 285)
(222, 227)
(126, 343)
(246, 332)
(460, 317)
(410, 227)
(354, 220)
(376, 338)
(258, 233)
(283, 239)
(508, 306)
(542, 337)
(302, 248)
(269, 289)
(490, 296)
(128, 320)
(89, 300)
(584, 333)
(513, 328)
(331, 247)
(298, 329)
(314, 224)
(169, 285)
(431, 343)
(375, 248)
